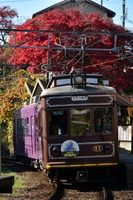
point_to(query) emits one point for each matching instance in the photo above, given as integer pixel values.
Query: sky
(26, 8)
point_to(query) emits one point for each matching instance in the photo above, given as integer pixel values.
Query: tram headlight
(107, 148)
(55, 151)
(78, 79)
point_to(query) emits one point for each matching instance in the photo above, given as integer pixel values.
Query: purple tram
(70, 132)
(27, 142)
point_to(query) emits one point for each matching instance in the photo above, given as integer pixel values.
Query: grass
(18, 182)
(18, 179)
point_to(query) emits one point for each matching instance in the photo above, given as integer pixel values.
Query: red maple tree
(85, 41)
(6, 22)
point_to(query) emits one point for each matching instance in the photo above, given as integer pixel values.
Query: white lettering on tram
(79, 98)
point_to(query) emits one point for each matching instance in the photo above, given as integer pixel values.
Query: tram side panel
(25, 134)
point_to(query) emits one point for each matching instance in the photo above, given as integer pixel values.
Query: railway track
(69, 191)
(38, 187)
(58, 192)
(65, 192)
(8, 160)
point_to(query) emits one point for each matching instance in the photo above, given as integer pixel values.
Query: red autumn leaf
(110, 63)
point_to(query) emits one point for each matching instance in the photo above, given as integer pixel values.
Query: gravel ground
(37, 187)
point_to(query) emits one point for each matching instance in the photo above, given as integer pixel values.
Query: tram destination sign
(79, 100)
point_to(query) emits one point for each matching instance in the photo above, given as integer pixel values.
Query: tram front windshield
(80, 121)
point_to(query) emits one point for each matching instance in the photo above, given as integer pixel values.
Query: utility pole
(124, 13)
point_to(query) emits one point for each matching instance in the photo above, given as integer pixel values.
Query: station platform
(126, 158)
(6, 183)
(125, 167)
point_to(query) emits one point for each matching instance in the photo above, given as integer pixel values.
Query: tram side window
(102, 120)
(124, 121)
(39, 122)
(19, 127)
(58, 123)
(80, 122)
(25, 124)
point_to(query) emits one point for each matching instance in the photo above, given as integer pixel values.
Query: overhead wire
(63, 47)
(42, 64)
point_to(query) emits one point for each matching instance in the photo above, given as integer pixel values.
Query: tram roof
(71, 90)
(61, 85)
(124, 102)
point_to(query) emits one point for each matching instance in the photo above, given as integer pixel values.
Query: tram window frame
(19, 126)
(25, 125)
(105, 119)
(124, 121)
(58, 122)
(81, 126)
(39, 122)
